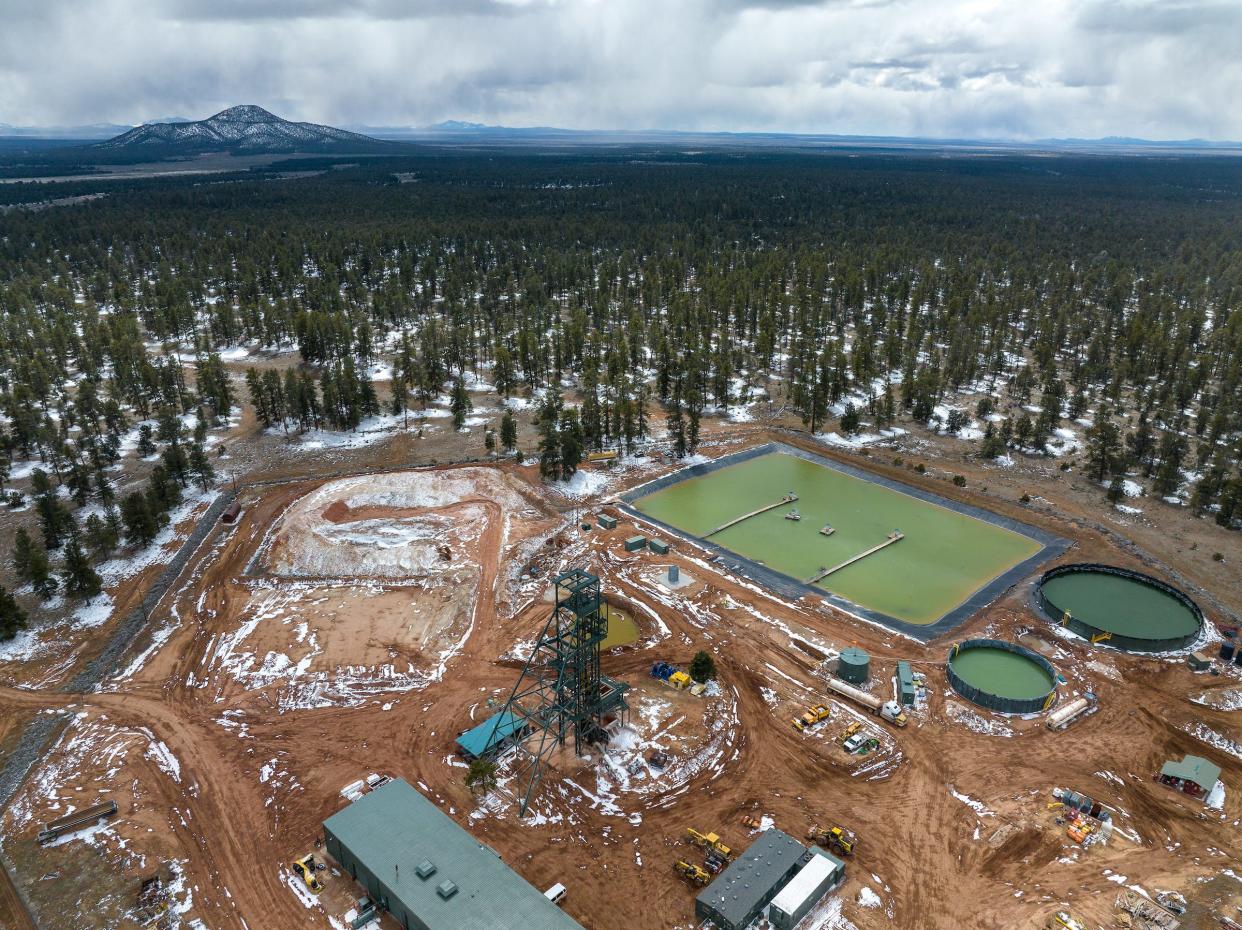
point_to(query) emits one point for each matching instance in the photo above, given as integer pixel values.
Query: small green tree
(141, 526)
(146, 442)
(1116, 491)
(571, 443)
(30, 563)
(702, 667)
(850, 420)
(481, 775)
(461, 404)
(101, 535)
(508, 431)
(12, 617)
(81, 580)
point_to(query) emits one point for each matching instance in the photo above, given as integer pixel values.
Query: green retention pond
(944, 557)
(1001, 673)
(622, 630)
(1126, 606)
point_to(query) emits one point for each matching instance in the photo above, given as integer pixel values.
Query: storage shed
(741, 892)
(635, 543)
(1198, 662)
(606, 522)
(658, 546)
(416, 863)
(905, 683)
(1194, 776)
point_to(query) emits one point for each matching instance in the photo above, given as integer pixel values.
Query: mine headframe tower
(561, 692)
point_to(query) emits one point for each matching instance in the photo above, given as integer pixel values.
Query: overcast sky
(1007, 68)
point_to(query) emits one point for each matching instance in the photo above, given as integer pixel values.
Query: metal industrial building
(772, 864)
(416, 863)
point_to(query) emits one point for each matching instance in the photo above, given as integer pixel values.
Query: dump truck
(841, 841)
(694, 873)
(710, 842)
(816, 714)
(306, 868)
(885, 710)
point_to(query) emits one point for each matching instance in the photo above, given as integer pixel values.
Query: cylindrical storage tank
(854, 666)
(1001, 676)
(1118, 607)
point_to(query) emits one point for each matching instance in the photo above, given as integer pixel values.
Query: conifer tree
(81, 580)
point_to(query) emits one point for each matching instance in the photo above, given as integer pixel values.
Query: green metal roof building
(416, 863)
(491, 734)
(1193, 775)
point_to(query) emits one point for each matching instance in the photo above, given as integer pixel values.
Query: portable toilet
(658, 546)
(635, 543)
(854, 666)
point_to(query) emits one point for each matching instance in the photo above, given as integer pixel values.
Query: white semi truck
(886, 710)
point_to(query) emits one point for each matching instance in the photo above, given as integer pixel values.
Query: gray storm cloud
(977, 68)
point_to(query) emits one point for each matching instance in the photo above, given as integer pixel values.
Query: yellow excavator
(841, 841)
(306, 866)
(694, 873)
(710, 842)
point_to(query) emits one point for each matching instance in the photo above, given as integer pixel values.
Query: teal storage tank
(854, 666)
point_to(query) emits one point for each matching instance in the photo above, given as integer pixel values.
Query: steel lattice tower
(560, 690)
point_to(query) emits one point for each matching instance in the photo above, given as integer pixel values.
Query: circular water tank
(854, 666)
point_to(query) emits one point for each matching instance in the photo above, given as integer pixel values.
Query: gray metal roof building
(741, 892)
(416, 863)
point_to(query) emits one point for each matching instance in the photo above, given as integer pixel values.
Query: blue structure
(491, 735)
(662, 670)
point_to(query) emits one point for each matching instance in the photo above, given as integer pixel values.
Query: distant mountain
(245, 130)
(457, 125)
(92, 131)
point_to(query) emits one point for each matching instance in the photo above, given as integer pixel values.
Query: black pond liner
(792, 588)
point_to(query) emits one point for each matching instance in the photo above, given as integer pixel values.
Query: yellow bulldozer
(816, 714)
(1063, 921)
(710, 842)
(691, 872)
(306, 868)
(841, 841)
